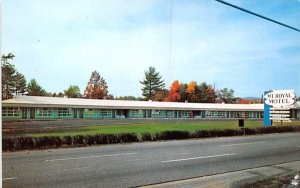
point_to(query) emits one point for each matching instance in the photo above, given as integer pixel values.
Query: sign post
(277, 106)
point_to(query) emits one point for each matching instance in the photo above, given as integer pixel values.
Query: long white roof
(33, 101)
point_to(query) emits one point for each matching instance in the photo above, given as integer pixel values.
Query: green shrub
(127, 138)
(146, 137)
(90, 140)
(48, 142)
(172, 135)
(31, 143)
(68, 140)
(112, 138)
(232, 132)
(8, 144)
(99, 139)
(201, 134)
(248, 131)
(79, 140)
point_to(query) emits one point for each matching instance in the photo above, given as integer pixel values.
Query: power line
(170, 33)
(258, 15)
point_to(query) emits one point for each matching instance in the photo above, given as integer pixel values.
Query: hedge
(46, 142)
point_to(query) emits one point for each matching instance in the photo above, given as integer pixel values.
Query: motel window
(210, 114)
(221, 114)
(249, 114)
(45, 112)
(136, 113)
(155, 113)
(10, 112)
(64, 112)
(170, 113)
(105, 113)
(185, 113)
(237, 114)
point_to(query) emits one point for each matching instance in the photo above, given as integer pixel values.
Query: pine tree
(20, 83)
(152, 83)
(34, 89)
(13, 82)
(206, 93)
(8, 73)
(96, 87)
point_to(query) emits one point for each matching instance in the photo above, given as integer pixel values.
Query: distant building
(48, 108)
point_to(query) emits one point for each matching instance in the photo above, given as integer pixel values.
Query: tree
(174, 92)
(110, 97)
(152, 83)
(9, 56)
(96, 87)
(34, 89)
(20, 83)
(183, 93)
(73, 92)
(211, 94)
(206, 93)
(226, 95)
(8, 72)
(192, 90)
(60, 94)
(160, 95)
(13, 82)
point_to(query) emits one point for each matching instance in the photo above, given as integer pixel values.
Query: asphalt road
(138, 164)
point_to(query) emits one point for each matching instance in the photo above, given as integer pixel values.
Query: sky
(59, 43)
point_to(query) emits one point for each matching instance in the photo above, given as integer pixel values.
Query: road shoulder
(241, 178)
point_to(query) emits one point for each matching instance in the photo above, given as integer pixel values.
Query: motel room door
(32, 113)
(77, 113)
(24, 113)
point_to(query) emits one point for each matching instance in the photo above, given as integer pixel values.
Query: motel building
(51, 108)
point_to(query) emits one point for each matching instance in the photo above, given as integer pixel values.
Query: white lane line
(8, 179)
(241, 144)
(67, 169)
(194, 158)
(89, 157)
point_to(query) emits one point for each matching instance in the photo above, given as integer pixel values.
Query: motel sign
(277, 106)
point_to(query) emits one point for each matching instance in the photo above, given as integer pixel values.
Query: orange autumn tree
(174, 92)
(192, 91)
(96, 87)
(211, 94)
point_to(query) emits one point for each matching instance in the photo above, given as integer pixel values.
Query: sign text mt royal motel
(277, 106)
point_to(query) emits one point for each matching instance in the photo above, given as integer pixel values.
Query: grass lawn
(147, 127)
(152, 128)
